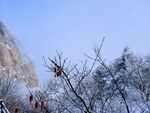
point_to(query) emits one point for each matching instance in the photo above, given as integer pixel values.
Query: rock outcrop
(13, 61)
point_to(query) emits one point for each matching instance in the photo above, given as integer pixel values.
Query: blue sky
(73, 26)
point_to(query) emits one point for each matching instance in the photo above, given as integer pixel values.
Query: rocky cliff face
(13, 60)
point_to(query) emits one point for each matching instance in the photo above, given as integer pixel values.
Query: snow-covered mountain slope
(13, 61)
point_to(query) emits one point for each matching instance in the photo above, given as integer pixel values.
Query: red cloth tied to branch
(58, 71)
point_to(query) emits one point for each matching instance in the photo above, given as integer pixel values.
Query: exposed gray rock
(13, 60)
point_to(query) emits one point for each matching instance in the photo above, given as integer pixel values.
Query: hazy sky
(73, 26)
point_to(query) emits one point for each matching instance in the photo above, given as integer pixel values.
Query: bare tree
(118, 87)
(8, 92)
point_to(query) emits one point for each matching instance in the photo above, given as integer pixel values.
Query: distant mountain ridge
(13, 60)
